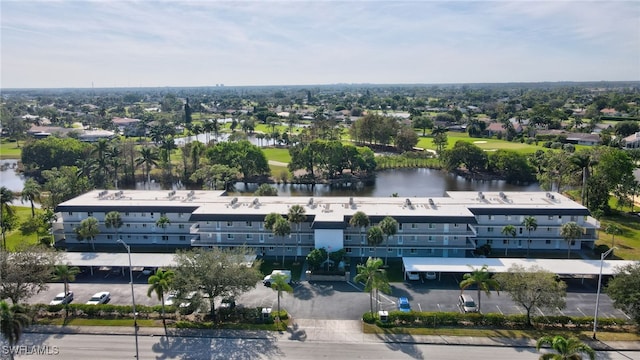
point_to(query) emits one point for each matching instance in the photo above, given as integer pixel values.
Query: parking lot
(344, 300)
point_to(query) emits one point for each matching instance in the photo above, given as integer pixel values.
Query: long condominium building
(449, 226)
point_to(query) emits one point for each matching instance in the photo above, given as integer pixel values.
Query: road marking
(439, 309)
(581, 312)
(499, 309)
(354, 285)
(541, 313)
(560, 311)
(519, 310)
(419, 307)
(625, 315)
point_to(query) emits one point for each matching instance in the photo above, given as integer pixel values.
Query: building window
(209, 235)
(548, 229)
(550, 217)
(144, 225)
(271, 248)
(573, 242)
(548, 242)
(432, 226)
(370, 249)
(490, 241)
(70, 213)
(143, 214)
(270, 236)
(151, 214)
(508, 217)
(430, 239)
(347, 250)
(165, 238)
(505, 241)
(181, 226)
(490, 217)
(347, 238)
(288, 249)
(128, 225)
(248, 223)
(180, 215)
(126, 214)
(390, 250)
(414, 225)
(183, 238)
(455, 238)
(455, 225)
(490, 229)
(145, 237)
(229, 223)
(163, 214)
(559, 217)
(109, 237)
(249, 236)
(520, 230)
(412, 251)
(90, 213)
(430, 251)
(230, 236)
(574, 218)
(399, 226)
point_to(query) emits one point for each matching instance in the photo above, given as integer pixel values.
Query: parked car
(403, 304)
(466, 303)
(170, 299)
(99, 298)
(62, 298)
(186, 301)
(413, 276)
(430, 275)
(228, 303)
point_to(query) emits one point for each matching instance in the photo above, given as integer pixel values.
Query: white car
(170, 299)
(430, 275)
(62, 298)
(99, 298)
(186, 302)
(413, 276)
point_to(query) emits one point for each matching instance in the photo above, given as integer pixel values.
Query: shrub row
(452, 319)
(103, 310)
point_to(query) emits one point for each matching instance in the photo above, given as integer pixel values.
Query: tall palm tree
(508, 230)
(163, 222)
(389, 227)
(375, 236)
(31, 192)
(160, 283)
(6, 199)
(148, 158)
(66, 274)
(482, 279)
(373, 277)
(100, 150)
(88, 229)
(570, 231)
(113, 219)
(359, 220)
(297, 216)
(279, 284)
(531, 224)
(282, 228)
(13, 320)
(566, 348)
(115, 161)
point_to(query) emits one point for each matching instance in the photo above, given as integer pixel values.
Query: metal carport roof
(160, 260)
(498, 265)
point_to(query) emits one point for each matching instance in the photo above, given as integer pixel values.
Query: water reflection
(9, 178)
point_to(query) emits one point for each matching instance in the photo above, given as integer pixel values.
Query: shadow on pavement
(402, 342)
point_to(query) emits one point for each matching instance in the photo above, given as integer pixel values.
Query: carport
(139, 261)
(499, 265)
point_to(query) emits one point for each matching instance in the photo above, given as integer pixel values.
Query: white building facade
(450, 226)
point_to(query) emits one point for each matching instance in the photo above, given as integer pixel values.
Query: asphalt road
(118, 347)
(344, 300)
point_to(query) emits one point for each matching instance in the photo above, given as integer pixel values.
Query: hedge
(455, 319)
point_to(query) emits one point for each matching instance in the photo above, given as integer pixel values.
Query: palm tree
(279, 284)
(282, 228)
(148, 157)
(113, 219)
(31, 193)
(66, 274)
(115, 160)
(482, 279)
(13, 320)
(613, 230)
(163, 222)
(389, 227)
(373, 277)
(531, 224)
(88, 229)
(508, 230)
(6, 198)
(297, 216)
(566, 348)
(160, 283)
(570, 231)
(375, 236)
(359, 220)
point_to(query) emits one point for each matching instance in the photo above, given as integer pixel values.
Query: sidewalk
(336, 331)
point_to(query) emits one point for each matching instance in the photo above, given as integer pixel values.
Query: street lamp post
(133, 298)
(595, 317)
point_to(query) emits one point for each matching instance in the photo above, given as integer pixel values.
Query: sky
(115, 43)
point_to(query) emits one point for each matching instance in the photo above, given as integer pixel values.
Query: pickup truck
(267, 279)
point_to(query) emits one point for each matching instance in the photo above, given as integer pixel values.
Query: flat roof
(159, 260)
(501, 265)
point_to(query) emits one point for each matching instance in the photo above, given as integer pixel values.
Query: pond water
(404, 182)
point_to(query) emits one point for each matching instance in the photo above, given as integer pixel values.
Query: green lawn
(627, 243)
(483, 143)
(10, 150)
(277, 154)
(15, 237)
